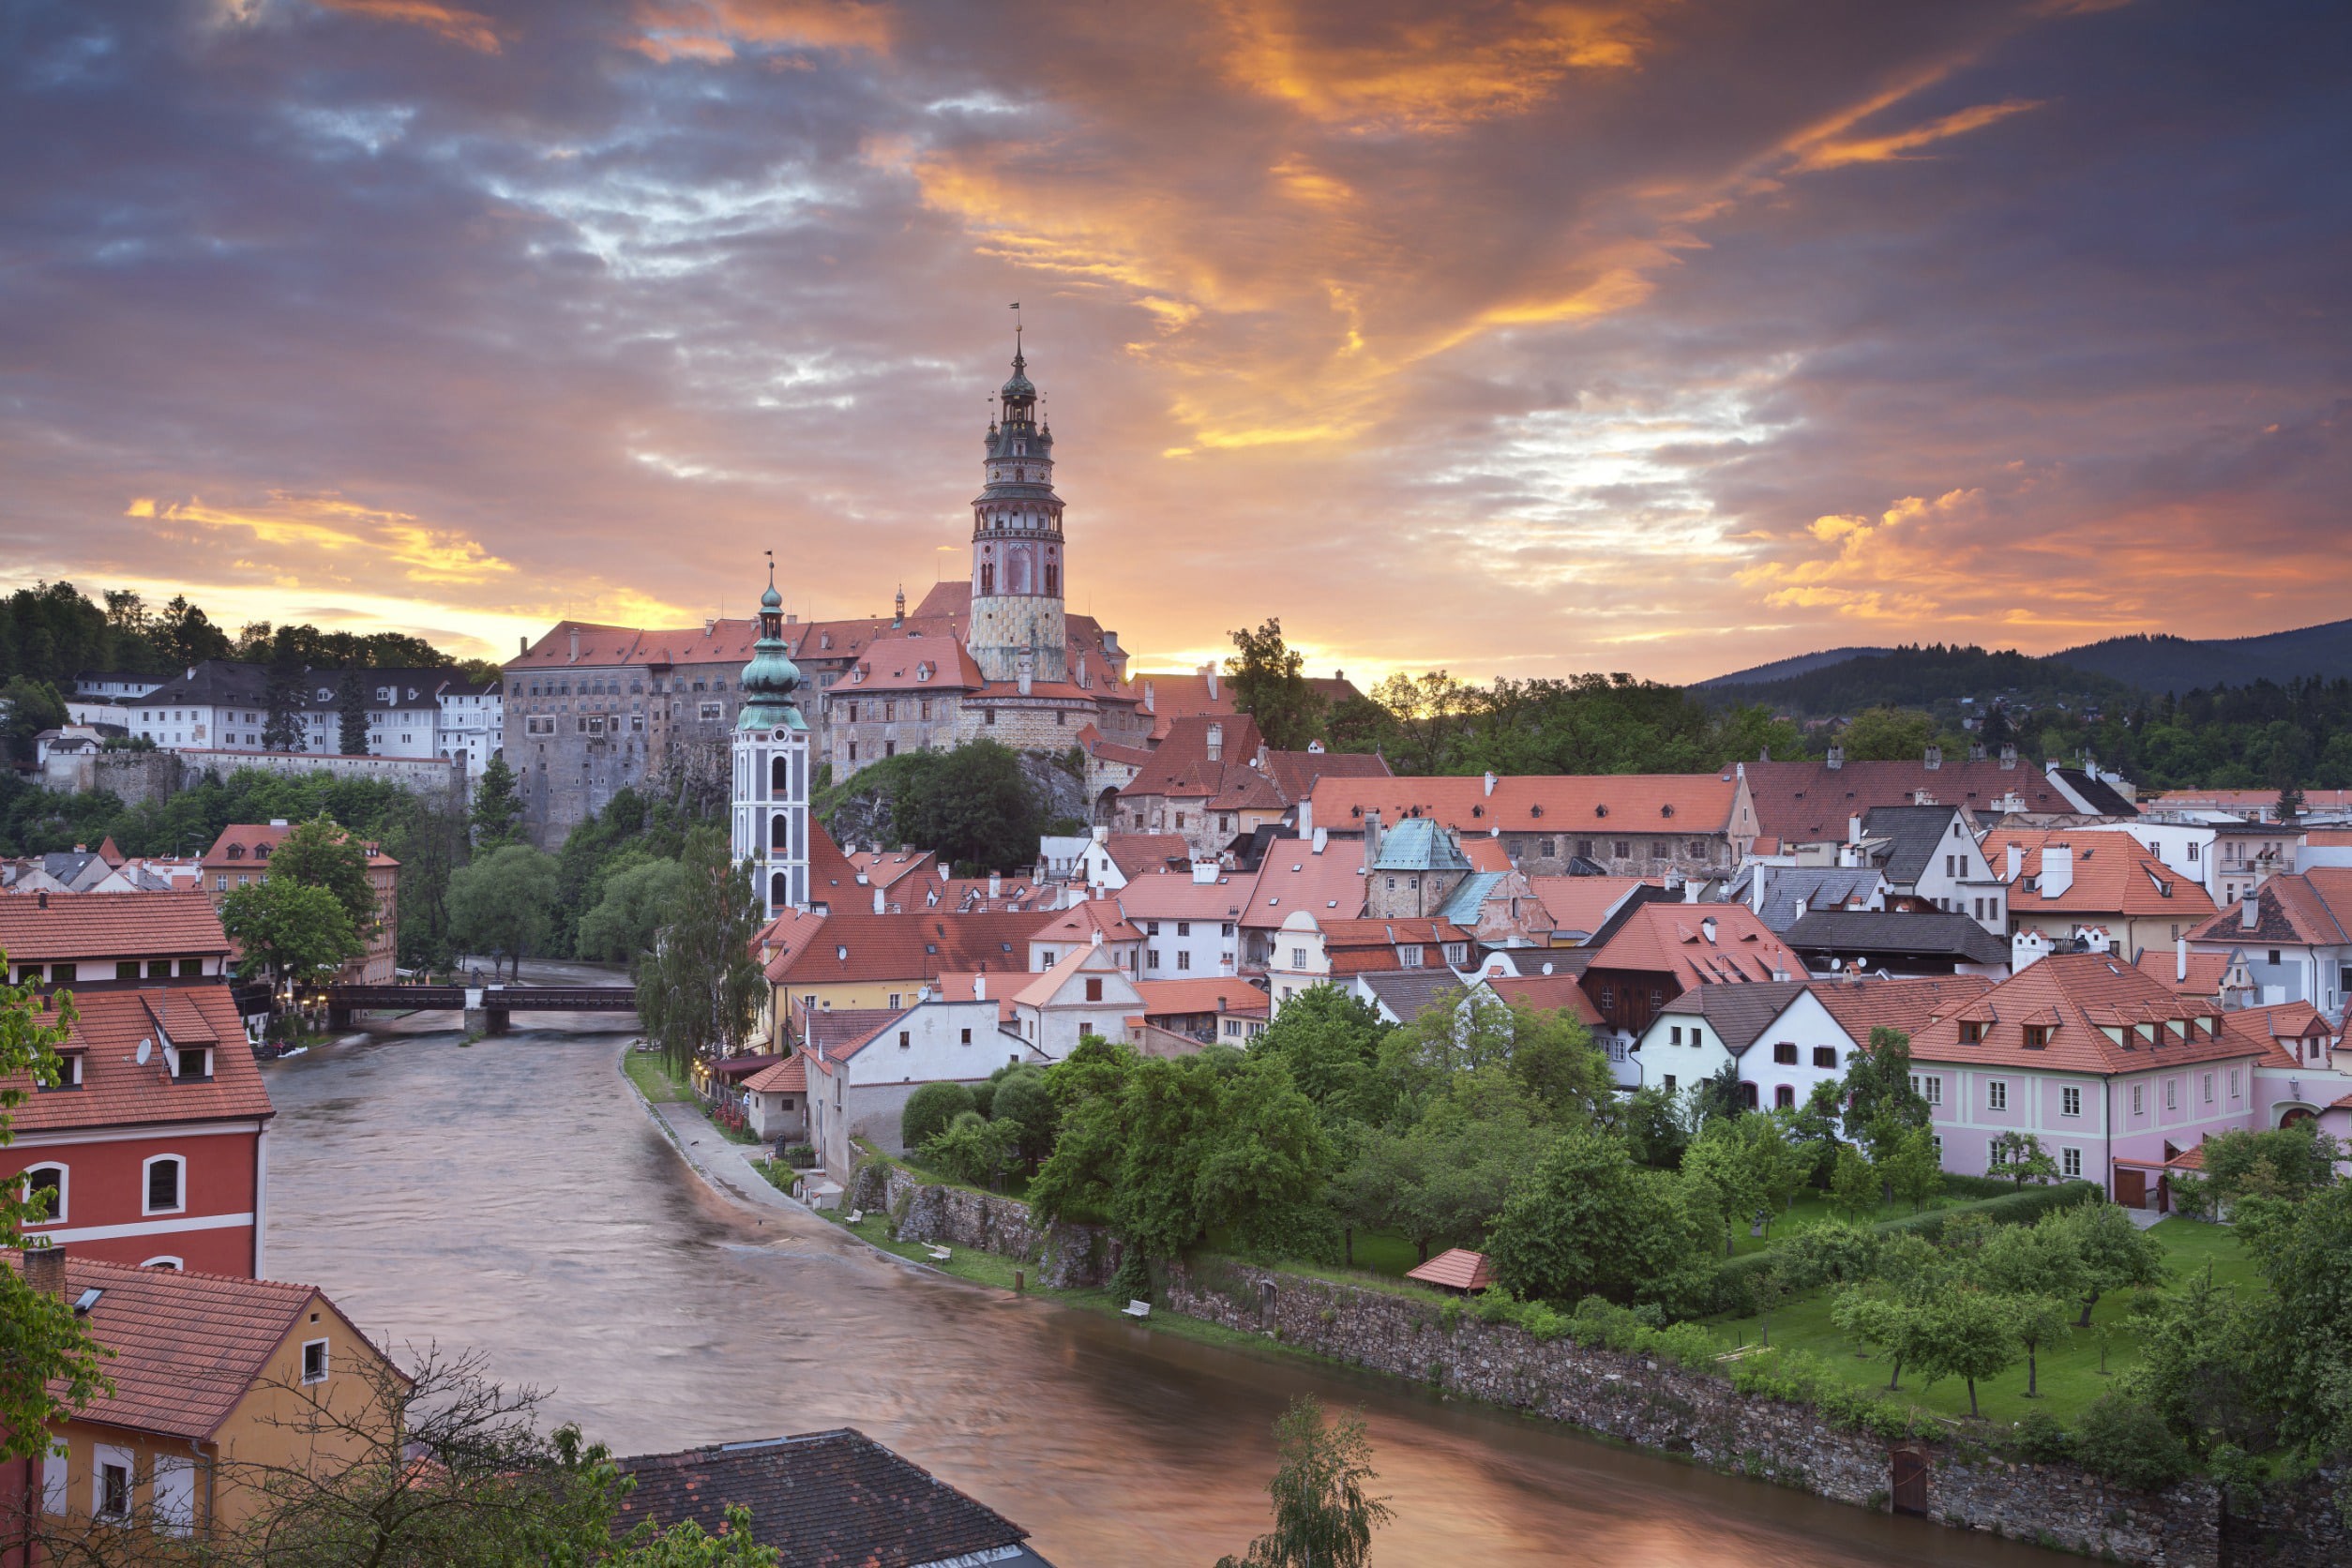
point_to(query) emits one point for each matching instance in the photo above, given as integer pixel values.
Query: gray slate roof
(1936, 933)
(1815, 885)
(1419, 844)
(1409, 992)
(1915, 835)
(1462, 905)
(2096, 794)
(1738, 1013)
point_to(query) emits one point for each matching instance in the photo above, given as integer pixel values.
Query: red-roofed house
(94, 942)
(1191, 920)
(776, 1099)
(1091, 922)
(1626, 824)
(2114, 1071)
(1809, 807)
(241, 855)
(860, 1065)
(1664, 949)
(854, 959)
(154, 1139)
(1211, 779)
(1087, 992)
(1194, 1013)
(2063, 883)
(2307, 1074)
(1323, 876)
(2294, 936)
(1311, 949)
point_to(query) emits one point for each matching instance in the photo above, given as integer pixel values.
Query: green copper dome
(771, 677)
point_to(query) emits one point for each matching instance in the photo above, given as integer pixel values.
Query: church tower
(1016, 555)
(770, 826)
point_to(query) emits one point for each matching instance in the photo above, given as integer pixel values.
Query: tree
(2123, 1440)
(621, 927)
(2037, 1320)
(1720, 1096)
(1461, 1161)
(2115, 1253)
(1968, 1335)
(1718, 1160)
(351, 712)
(974, 1149)
(976, 808)
(289, 930)
(1330, 1042)
(1550, 1054)
(2302, 1325)
(1587, 1221)
(281, 726)
(500, 905)
(929, 1112)
(51, 1367)
(2022, 1156)
(32, 707)
(1324, 1515)
(497, 809)
(1878, 1320)
(685, 1546)
(1854, 1187)
(1915, 1171)
(318, 853)
(699, 992)
(1888, 735)
(1022, 1100)
(1879, 1098)
(1766, 1289)
(1270, 686)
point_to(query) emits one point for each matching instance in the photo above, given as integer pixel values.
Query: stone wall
(134, 778)
(436, 777)
(1066, 1257)
(1650, 1404)
(2293, 1527)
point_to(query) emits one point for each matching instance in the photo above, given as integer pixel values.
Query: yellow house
(860, 960)
(218, 1381)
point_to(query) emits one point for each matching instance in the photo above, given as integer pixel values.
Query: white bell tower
(771, 828)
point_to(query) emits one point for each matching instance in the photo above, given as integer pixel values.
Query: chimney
(1317, 842)
(2249, 910)
(45, 1270)
(1853, 830)
(1800, 908)
(1150, 695)
(1217, 742)
(522, 646)
(1306, 817)
(1098, 934)
(1204, 873)
(1935, 757)
(1490, 783)
(1837, 758)
(1976, 751)
(2180, 961)
(2057, 869)
(1209, 673)
(1265, 757)
(1371, 840)
(43, 896)
(980, 987)
(1102, 836)
(996, 885)
(881, 900)
(2017, 858)
(2009, 757)
(575, 658)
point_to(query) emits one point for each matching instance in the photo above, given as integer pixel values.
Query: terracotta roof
(1488, 854)
(1215, 994)
(1181, 764)
(887, 868)
(1376, 933)
(117, 1090)
(1042, 986)
(852, 944)
(2113, 874)
(970, 894)
(1581, 904)
(2076, 997)
(181, 924)
(960, 988)
(1671, 939)
(187, 1347)
(1165, 895)
(1112, 751)
(1903, 1005)
(2204, 970)
(835, 1035)
(1186, 694)
(788, 1077)
(902, 663)
(1808, 803)
(603, 647)
(828, 1500)
(2281, 1021)
(1292, 877)
(1295, 773)
(2190, 1158)
(1570, 803)
(1545, 993)
(1456, 1269)
(2308, 908)
(247, 846)
(1135, 854)
(1080, 921)
(2246, 800)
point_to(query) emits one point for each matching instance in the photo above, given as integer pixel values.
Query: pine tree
(283, 730)
(497, 809)
(351, 706)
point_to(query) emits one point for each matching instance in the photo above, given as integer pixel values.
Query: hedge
(2012, 1207)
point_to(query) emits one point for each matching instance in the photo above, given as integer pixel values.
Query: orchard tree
(1587, 1221)
(1854, 1186)
(2022, 1158)
(1968, 1335)
(2038, 1322)
(2115, 1254)
(1914, 1168)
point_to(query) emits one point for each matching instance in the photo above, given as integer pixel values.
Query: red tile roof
(117, 1090)
(1135, 854)
(2309, 909)
(2282, 1021)
(1546, 993)
(1165, 895)
(1808, 803)
(902, 663)
(187, 1347)
(603, 647)
(1671, 939)
(1297, 773)
(1215, 994)
(2204, 970)
(1583, 903)
(857, 944)
(180, 924)
(788, 1077)
(2113, 874)
(1292, 877)
(1486, 853)
(886, 868)
(1080, 922)
(2077, 997)
(1181, 764)
(1903, 1005)
(1569, 804)
(1456, 1269)
(247, 846)
(835, 1035)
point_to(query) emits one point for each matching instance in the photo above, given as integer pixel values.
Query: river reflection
(511, 1195)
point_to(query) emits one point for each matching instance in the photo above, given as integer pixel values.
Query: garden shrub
(1131, 1281)
(2129, 1444)
(1685, 1345)
(929, 1112)
(2041, 1436)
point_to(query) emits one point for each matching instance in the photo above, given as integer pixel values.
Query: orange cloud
(453, 23)
(1832, 154)
(716, 29)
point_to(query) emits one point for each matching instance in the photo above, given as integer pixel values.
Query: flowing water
(514, 1198)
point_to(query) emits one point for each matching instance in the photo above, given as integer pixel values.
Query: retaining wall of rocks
(1066, 1257)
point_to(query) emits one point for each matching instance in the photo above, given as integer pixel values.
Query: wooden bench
(1137, 1309)
(939, 1254)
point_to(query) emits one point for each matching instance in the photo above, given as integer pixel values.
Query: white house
(776, 1099)
(1087, 992)
(1783, 1039)
(862, 1065)
(470, 721)
(1190, 924)
(2294, 935)
(1085, 923)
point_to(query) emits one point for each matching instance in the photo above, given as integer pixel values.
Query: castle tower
(770, 824)
(1017, 562)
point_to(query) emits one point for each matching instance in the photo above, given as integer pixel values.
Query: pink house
(2115, 1073)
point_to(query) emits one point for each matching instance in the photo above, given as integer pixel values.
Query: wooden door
(2131, 1187)
(1907, 1471)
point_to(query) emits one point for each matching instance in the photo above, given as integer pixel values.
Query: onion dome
(771, 677)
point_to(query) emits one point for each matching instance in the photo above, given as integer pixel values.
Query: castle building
(769, 811)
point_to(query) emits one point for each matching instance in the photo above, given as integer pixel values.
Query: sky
(1526, 338)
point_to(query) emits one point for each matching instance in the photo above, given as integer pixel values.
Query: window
(128, 969)
(1093, 988)
(1150, 957)
(56, 1479)
(967, 1038)
(2233, 1083)
(1183, 958)
(2139, 1099)
(159, 969)
(2274, 955)
(1971, 1031)
(1825, 1056)
(69, 1071)
(894, 1000)
(315, 1361)
(1669, 1083)
(164, 1186)
(2208, 1089)
(191, 968)
(1675, 1034)
(2070, 1163)
(1183, 928)
(1928, 1088)
(1784, 1097)
(2172, 1094)
(711, 712)
(2071, 1101)
(1996, 1155)
(2037, 1036)
(110, 1482)
(193, 1063)
(49, 1180)
(1997, 1095)
(1298, 958)
(1786, 1053)
(174, 1494)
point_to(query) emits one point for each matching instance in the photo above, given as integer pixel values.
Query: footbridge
(488, 1008)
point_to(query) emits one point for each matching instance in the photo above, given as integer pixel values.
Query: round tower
(770, 824)
(1018, 561)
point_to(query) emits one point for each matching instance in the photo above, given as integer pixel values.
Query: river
(512, 1196)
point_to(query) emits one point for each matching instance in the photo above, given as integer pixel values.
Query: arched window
(163, 1189)
(47, 1178)
(174, 1265)
(1053, 579)
(778, 778)
(987, 576)
(779, 892)
(780, 831)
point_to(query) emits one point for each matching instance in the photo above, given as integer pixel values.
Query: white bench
(857, 1216)
(1135, 1309)
(939, 1254)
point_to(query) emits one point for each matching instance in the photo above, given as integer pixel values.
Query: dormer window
(2037, 1036)
(1971, 1032)
(260, 852)
(191, 1065)
(69, 1071)
(236, 851)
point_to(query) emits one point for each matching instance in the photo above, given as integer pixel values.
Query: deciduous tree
(288, 930)
(1591, 1222)
(1969, 1335)
(503, 904)
(1324, 1512)
(2115, 1254)
(318, 853)
(1268, 681)
(699, 992)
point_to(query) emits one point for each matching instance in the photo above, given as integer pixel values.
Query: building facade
(770, 809)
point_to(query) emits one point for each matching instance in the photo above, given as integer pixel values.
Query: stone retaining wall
(1068, 1256)
(1653, 1406)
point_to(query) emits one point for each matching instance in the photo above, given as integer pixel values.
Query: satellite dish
(146, 1048)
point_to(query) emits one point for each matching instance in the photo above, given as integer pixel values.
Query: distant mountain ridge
(1801, 664)
(2177, 664)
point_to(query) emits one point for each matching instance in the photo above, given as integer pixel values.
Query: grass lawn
(650, 1071)
(1812, 1208)
(2069, 1375)
(1384, 1252)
